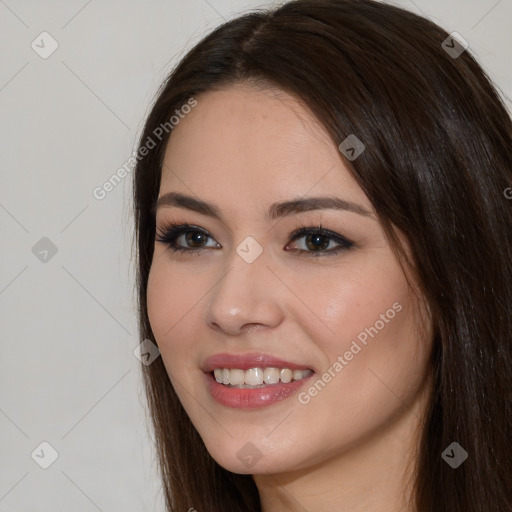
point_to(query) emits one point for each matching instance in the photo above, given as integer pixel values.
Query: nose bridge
(245, 293)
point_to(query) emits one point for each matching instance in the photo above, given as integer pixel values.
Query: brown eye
(318, 240)
(184, 238)
(195, 238)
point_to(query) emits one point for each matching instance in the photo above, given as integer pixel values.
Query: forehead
(241, 116)
(253, 142)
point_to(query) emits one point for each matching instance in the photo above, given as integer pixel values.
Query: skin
(351, 448)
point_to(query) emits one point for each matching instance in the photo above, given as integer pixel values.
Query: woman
(323, 242)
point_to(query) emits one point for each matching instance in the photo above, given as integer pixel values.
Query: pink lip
(244, 398)
(247, 361)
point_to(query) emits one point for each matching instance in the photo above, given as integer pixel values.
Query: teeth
(271, 375)
(258, 377)
(237, 377)
(286, 375)
(297, 374)
(253, 377)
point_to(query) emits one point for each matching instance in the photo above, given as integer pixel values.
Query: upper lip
(247, 361)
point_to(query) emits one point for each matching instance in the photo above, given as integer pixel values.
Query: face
(247, 289)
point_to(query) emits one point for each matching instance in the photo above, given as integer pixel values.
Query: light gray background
(68, 375)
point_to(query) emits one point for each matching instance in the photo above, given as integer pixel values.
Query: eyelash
(172, 231)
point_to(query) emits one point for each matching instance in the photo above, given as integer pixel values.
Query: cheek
(176, 298)
(173, 300)
(171, 297)
(375, 361)
(361, 304)
(376, 351)
(366, 331)
(159, 301)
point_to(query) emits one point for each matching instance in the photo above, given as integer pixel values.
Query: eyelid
(168, 234)
(343, 242)
(175, 230)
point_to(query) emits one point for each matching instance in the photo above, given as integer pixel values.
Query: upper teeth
(258, 376)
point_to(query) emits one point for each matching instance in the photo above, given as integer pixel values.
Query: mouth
(256, 378)
(249, 381)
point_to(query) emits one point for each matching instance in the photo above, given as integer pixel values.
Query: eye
(318, 241)
(193, 235)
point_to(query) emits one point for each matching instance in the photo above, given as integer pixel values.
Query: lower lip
(246, 398)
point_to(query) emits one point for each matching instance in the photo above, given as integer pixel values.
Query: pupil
(197, 239)
(317, 241)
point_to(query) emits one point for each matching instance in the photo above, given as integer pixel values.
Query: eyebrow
(275, 211)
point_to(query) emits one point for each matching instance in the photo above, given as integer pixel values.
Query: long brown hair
(437, 163)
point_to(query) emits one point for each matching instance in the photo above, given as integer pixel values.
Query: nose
(246, 297)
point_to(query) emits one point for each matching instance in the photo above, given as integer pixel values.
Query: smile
(255, 378)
